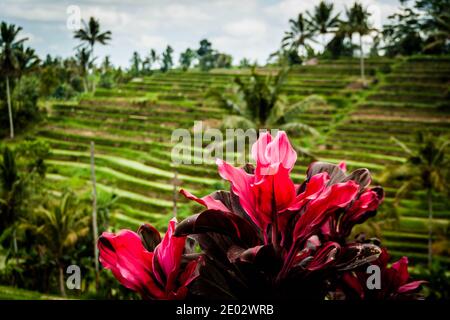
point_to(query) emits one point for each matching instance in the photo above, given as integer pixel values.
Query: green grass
(131, 127)
(11, 293)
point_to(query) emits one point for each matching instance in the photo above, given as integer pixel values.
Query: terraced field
(413, 97)
(132, 125)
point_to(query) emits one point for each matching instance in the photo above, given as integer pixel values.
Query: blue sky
(243, 28)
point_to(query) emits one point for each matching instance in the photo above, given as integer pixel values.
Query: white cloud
(250, 28)
(246, 28)
(32, 39)
(148, 41)
(109, 16)
(27, 11)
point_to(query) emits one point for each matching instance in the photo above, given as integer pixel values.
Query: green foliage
(17, 184)
(402, 35)
(222, 60)
(34, 152)
(135, 64)
(15, 61)
(257, 103)
(438, 286)
(322, 19)
(209, 58)
(61, 79)
(91, 34)
(426, 167)
(186, 58)
(10, 49)
(339, 47)
(57, 226)
(85, 62)
(357, 20)
(24, 100)
(423, 26)
(299, 37)
(244, 63)
(167, 61)
(149, 61)
(107, 80)
(288, 58)
(25, 97)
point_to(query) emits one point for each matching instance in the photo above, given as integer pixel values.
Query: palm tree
(17, 190)
(167, 61)
(84, 63)
(440, 32)
(186, 58)
(11, 188)
(299, 35)
(358, 22)
(27, 59)
(91, 35)
(135, 64)
(9, 61)
(150, 60)
(322, 19)
(257, 103)
(106, 64)
(425, 168)
(403, 35)
(58, 227)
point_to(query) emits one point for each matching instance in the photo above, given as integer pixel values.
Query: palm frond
(402, 145)
(298, 127)
(235, 122)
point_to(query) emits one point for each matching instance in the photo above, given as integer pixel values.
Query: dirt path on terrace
(406, 118)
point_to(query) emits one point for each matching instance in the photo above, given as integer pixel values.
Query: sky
(242, 28)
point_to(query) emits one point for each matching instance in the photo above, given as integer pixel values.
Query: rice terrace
(90, 146)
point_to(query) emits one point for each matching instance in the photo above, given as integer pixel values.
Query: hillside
(132, 125)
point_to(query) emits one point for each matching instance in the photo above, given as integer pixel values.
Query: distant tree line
(204, 58)
(421, 26)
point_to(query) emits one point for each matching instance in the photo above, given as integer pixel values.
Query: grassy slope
(132, 127)
(11, 293)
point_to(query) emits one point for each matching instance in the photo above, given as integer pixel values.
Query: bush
(64, 91)
(24, 98)
(106, 80)
(77, 84)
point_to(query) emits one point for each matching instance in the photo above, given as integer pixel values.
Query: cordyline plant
(265, 238)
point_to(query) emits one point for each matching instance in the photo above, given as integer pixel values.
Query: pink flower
(269, 190)
(155, 275)
(395, 281)
(266, 238)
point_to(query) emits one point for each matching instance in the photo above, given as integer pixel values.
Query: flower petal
(167, 257)
(241, 186)
(207, 201)
(410, 286)
(281, 151)
(314, 188)
(129, 261)
(150, 237)
(401, 267)
(337, 196)
(259, 149)
(277, 189)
